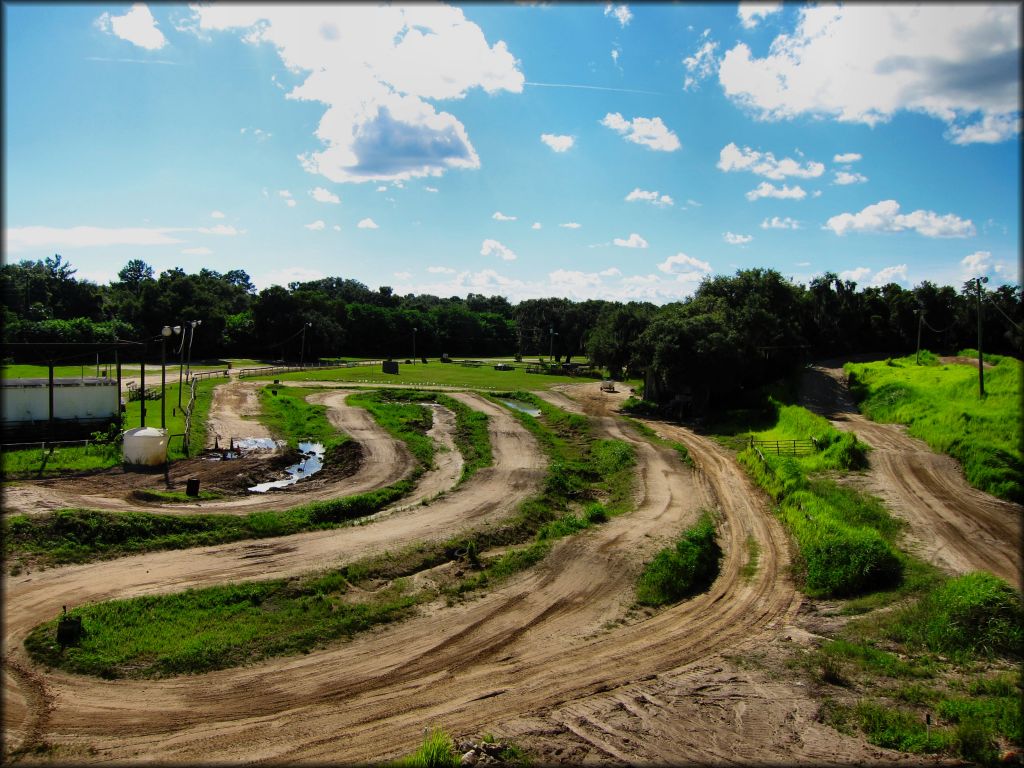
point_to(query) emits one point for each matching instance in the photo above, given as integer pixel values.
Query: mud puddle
(312, 462)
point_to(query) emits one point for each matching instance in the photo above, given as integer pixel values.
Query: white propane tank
(146, 446)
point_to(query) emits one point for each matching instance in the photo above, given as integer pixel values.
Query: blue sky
(587, 150)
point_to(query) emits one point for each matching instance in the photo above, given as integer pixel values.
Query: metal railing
(799, 447)
(272, 369)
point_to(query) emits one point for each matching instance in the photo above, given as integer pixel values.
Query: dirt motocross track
(557, 659)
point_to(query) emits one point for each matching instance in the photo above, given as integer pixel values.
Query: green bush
(975, 614)
(683, 570)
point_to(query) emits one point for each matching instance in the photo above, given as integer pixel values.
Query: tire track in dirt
(234, 413)
(535, 644)
(951, 524)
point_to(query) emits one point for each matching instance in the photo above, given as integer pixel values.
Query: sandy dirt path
(543, 642)
(951, 524)
(234, 413)
(555, 658)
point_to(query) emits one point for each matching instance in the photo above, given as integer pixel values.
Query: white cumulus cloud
(846, 158)
(750, 14)
(287, 197)
(976, 264)
(493, 246)
(685, 267)
(649, 197)
(701, 65)
(322, 195)
(558, 143)
(367, 223)
(855, 275)
(784, 192)
(732, 158)
(28, 238)
(885, 216)
(316, 225)
(865, 62)
(734, 239)
(499, 216)
(633, 241)
(376, 70)
(649, 132)
(776, 223)
(895, 274)
(137, 27)
(620, 12)
(845, 177)
(571, 225)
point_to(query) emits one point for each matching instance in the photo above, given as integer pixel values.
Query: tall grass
(845, 538)
(940, 405)
(288, 415)
(683, 570)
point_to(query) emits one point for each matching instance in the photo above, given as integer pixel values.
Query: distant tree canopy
(735, 333)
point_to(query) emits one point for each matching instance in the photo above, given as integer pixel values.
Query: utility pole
(551, 346)
(302, 352)
(981, 375)
(414, 346)
(920, 319)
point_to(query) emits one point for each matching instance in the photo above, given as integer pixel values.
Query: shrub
(683, 570)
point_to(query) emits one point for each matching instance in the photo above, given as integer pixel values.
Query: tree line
(733, 334)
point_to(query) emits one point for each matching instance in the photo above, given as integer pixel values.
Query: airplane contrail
(593, 88)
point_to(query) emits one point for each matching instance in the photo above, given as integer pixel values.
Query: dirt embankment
(951, 524)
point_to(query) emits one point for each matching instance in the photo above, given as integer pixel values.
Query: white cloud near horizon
(441, 270)
(558, 143)
(685, 267)
(493, 246)
(783, 192)
(885, 216)
(895, 274)
(854, 275)
(228, 230)
(866, 62)
(376, 69)
(367, 223)
(217, 215)
(649, 132)
(137, 26)
(732, 158)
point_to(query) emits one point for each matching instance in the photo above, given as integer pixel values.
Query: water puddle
(311, 463)
(521, 407)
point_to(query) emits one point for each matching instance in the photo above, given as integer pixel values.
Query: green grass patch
(845, 538)
(289, 417)
(940, 405)
(402, 416)
(434, 373)
(174, 497)
(216, 627)
(654, 437)
(436, 751)
(753, 557)
(683, 570)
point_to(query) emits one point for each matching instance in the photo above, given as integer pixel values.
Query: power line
(936, 330)
(987, 296)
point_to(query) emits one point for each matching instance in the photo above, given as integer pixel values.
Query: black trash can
(192, 486)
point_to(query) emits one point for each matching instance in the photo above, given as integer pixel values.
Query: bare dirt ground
(558, 659)
(951, 524)
(234, 413)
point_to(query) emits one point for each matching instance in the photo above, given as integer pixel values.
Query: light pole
(181, 350)
(981, 376)
(302, 349)
(551, 346)
(164, 333)
(414, 345)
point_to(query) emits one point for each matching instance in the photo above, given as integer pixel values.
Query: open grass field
(940, 404)
(437, 374)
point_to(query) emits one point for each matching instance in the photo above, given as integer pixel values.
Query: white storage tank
(145, 446)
